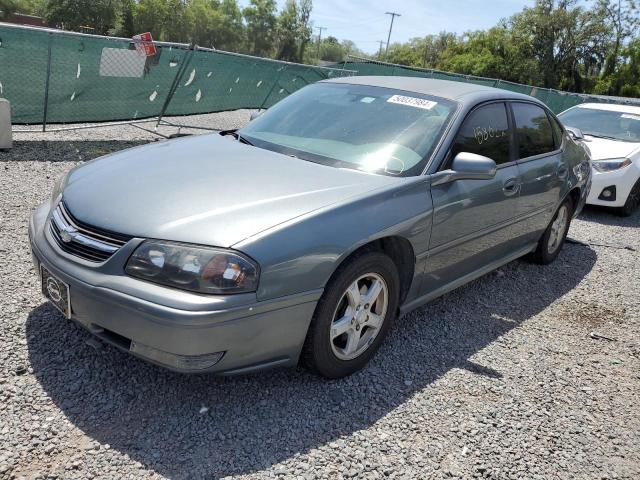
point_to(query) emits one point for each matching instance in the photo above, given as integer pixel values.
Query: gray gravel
(529, 372)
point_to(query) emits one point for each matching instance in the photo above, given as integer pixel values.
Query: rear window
(533, 130)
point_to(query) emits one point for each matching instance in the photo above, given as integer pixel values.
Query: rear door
(539, 157)
(473, 219)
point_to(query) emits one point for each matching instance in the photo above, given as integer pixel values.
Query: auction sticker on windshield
(412, 102)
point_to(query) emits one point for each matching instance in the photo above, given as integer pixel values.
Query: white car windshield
(603, 123)
(362, 127)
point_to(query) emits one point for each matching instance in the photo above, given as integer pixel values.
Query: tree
(568, 41)
(623, 18)
(101, 15)
(293, 30)
(331, 50)
(260, 18)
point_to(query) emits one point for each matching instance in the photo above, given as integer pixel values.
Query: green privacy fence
(51, 76)
(556, 100)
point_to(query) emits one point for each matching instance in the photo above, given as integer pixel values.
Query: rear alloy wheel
(552, 240)
(633, 201)
(353, 316)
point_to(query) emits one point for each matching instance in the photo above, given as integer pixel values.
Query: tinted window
(533, 130)
(485, 132)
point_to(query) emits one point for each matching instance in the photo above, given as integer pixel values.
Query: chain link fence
(556, 100)
(50, 76)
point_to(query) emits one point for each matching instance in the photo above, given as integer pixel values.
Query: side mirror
(467, 166)
(575, 133)
(254, 114)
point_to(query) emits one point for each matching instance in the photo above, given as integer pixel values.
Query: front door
(473, 219)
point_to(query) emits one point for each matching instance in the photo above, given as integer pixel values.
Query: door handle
(562, 170)
(510, 187)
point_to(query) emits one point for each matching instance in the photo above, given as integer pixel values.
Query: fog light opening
(181, 362)
(608, 194)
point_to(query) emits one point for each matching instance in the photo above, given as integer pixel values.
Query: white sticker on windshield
(412, 102)
(630, 116)
(367, 99)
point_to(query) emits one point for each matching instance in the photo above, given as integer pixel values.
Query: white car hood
(602, 148)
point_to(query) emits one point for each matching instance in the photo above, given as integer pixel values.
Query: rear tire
(633, 201)
(552, 241)
(353, 316)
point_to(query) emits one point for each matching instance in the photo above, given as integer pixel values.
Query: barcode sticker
(412, 102)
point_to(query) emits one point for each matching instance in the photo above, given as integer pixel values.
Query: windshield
(603, 123)
(367, 128)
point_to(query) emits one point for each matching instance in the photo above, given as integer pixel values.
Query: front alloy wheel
(359, 316)
(353, 315)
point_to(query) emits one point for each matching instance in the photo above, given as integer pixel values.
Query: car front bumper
(179, 330)
(623, 180)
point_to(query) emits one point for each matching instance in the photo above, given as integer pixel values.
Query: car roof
(458, 91)
(611, 107)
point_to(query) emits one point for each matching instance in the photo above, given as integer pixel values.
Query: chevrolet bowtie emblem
(67, 234)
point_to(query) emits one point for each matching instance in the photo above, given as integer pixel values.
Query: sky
(365, 22)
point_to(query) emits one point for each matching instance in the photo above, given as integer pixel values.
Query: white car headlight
(193, 267)
(610, 164)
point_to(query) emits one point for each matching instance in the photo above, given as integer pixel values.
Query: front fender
(302, 254)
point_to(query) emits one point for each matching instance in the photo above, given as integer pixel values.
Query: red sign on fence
(144, 45)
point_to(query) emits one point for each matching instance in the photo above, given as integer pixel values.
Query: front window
(485, 132)
(604, 123)
(373, 129)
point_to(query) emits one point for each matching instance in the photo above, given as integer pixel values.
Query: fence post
(176, 82)
(46, 86)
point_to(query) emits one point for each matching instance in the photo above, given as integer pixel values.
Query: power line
(393, 16)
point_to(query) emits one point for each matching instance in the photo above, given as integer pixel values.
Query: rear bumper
(623, 180)
(241, 338)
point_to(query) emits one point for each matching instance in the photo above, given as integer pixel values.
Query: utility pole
(381, 42)
(393, 16)
(320, 39)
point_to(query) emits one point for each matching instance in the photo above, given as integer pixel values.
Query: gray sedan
(301, 237)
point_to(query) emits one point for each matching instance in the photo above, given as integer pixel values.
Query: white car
(612, 133)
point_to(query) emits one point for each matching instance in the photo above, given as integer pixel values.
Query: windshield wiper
(234, 133)
(597, 135)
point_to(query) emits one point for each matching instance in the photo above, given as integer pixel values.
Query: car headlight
(610, 164)
(194, 268)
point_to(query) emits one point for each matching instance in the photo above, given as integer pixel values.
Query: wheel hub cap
(358, 316)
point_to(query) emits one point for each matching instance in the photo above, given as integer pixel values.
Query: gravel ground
(528, 372)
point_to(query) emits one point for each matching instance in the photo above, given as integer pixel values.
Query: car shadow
(609, 217)
(252, 422)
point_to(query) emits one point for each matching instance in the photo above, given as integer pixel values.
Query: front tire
(633, 201)
(353, 316)
(552, 240)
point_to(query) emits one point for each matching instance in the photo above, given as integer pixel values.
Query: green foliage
(293, 30)
(555, 43)
(260, 18)
(100, 15)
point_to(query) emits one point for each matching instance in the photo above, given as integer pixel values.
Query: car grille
(82, 240)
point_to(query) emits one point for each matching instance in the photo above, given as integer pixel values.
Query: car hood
(601, 148)
(206, 189)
